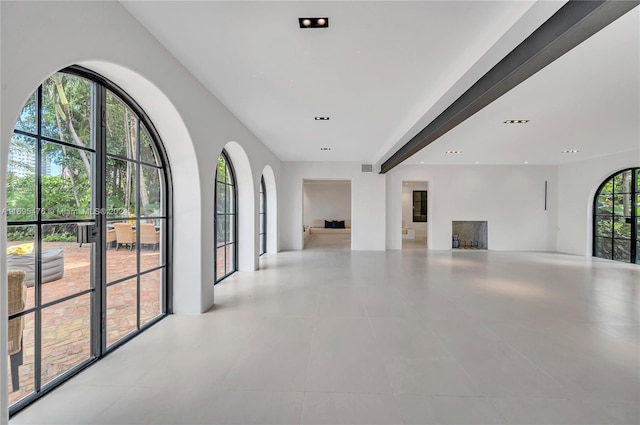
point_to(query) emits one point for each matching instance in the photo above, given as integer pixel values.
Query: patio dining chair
(125, 235)
(149, 235)
(17, 296)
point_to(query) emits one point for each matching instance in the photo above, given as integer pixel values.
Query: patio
(66, 326)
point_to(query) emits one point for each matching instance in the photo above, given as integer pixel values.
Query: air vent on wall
(367, 168)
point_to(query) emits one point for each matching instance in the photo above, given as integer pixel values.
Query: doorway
(415, 214)
(327, 214)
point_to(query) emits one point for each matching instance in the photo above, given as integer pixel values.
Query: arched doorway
(616, 217)
(88, 196)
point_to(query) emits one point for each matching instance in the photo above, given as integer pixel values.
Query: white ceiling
(384, 69)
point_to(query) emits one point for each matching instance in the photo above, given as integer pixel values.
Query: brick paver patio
(66, 326)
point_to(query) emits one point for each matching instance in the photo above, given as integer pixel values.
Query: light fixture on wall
(321, 118)
(313, 22)
(516, 121)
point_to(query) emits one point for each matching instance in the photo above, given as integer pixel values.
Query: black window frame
(419, 206)
(633, 219)
(98, 284)
(262, 215)
(234, 231)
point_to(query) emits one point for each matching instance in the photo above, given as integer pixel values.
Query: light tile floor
(341, 337)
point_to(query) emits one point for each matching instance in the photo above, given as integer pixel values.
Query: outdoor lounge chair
(111, 236)
(17, 296)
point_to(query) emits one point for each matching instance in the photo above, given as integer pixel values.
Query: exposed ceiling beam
(575, 22)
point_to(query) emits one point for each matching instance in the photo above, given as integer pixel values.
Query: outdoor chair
(111, 236)
(125, 235)
(16, 299)
(149, 235)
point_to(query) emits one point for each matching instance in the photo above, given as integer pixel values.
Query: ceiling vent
(367, 168)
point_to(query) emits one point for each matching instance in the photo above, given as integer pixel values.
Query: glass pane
(220, 262)
(21, 354)
(261, 231)
(66, 182)
(604, 248)
(231, 228)
(221, 226)
(28, 119)
(122, 128)
(607, 188)
(147, 149)
(622, 250)
(66, 336)
(21, 186)
(229, 176)
(67, 109)
(20, 256)
(121, 310)
(120, 182)
(150, 295)
(230, 205)
(65, 266)
(605, 204)
(221, 174)
(150, 244)
(121, 260)
(261, 210)
(220, 197)
(604, 225)
(622, 228)
(230, 260)
(622, 204)
(150, 192)
(263, 246)
(622, 182)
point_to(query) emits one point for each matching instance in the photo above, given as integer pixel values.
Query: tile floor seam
(313, 337)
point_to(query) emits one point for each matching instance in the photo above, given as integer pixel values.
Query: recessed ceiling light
(421, 162)
(325, 149)
(570, 151)
(454, 152)
(321, 118)
(526, 162)
(314, 22)
(477, 162)
(516, 121)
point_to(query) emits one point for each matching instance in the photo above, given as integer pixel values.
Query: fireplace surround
(469, 235)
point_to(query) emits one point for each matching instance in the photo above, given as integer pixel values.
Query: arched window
(88, 195)
(263, 217)
(225, 220)
(616, 218)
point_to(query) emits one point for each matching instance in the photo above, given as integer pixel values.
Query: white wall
(367, 202)
(578, 183)
(192, 123)
(407, 208)
(327, 200)
(510, 198)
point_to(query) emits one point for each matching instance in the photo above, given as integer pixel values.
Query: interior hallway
(334, 337)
